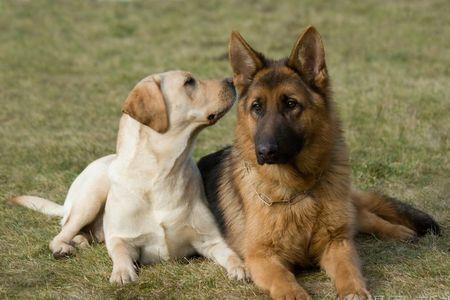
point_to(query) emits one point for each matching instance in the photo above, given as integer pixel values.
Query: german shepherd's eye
(190, 81)
(290, 102)
(256, 107)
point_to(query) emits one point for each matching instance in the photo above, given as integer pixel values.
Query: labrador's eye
(190, 81)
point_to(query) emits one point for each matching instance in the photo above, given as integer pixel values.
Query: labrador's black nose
(267, 153)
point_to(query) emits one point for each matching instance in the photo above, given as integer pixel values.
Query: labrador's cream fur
(147, 201)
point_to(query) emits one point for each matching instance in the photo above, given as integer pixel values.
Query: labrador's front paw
(61, 249)
(123, 275)
(236, 269)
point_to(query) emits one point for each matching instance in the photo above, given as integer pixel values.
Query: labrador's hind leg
(87, 198)
(81, 215)
(62, 245)
(80, 241)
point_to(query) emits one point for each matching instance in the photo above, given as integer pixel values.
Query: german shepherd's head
(285, 114)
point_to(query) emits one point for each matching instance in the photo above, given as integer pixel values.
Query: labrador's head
(176, 100)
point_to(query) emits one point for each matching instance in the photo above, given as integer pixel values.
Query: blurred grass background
(66, 67)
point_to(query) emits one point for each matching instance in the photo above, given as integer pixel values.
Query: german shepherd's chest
(293, 231)
(289, 230)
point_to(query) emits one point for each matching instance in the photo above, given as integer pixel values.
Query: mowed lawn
(66, 67)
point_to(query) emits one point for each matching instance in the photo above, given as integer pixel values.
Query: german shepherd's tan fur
(308, 164)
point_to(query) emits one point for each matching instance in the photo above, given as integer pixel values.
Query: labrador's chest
(157, 224)
(163, 235)
(152, 212)
(164, 242)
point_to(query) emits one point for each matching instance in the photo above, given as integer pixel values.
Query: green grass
(65, 68)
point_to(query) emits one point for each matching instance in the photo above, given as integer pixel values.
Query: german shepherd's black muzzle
(276, 142)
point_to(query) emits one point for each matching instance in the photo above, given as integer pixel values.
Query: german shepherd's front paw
(236, 269)
(290, 292)
(361, 294)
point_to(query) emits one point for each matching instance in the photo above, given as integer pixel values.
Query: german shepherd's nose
(267, 152)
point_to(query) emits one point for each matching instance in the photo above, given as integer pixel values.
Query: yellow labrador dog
(147, 201)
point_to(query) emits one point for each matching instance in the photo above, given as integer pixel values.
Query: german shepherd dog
(282, 194)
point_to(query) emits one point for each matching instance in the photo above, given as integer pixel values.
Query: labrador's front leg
(123, 257)
(208, 242)
(217, 250)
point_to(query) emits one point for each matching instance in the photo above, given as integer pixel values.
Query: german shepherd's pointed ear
(244, 60)
(146, 104)
(308, 58)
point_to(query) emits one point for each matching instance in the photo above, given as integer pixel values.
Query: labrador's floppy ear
(146, 104)
(244, 61)
(308, 58)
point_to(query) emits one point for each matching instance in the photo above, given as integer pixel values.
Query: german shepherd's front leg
(340, 261)
(270, 274)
